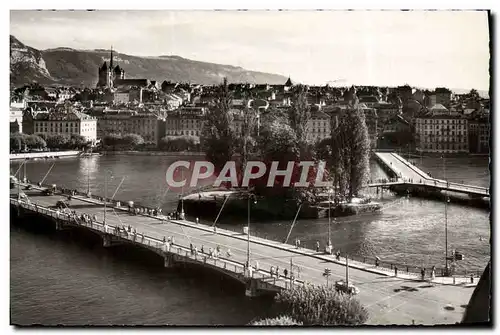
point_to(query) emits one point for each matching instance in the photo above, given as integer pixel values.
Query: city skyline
(382, 48)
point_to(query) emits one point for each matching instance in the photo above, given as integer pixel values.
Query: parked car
(341, 286)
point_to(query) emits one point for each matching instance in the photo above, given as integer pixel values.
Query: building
(147, 125)
(443, 96)
(186, 121)
(479, 133)
(114, 76)
(318, 127)
(121, 96)
(63, 121)
(440, 130)
(16, 119)
(369, 100)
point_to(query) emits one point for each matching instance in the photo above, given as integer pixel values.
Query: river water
(57, 278)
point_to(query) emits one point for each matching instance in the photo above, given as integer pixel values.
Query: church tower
(109, 81)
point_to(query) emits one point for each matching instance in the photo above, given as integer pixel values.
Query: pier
(392, 293)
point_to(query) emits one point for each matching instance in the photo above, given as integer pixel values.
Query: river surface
(60, 279)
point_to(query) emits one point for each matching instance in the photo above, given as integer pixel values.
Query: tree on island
(347, 153)
(299, 115)
(218, 135)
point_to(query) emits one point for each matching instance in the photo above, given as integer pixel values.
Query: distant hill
(66, 66)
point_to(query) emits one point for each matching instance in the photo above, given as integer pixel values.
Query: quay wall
(45, 154)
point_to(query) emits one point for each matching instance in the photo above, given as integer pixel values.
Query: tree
(35, 142)
(131, 141)
(77, 141)
(350, 154)
(218, 136)
(57, 141)
(17, 141)
(299, 115)
(313, 305)
(249, 123)
(112, 140)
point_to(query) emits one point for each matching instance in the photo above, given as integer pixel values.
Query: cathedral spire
(111, 60)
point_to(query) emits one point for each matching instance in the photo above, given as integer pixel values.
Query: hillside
(67, 66)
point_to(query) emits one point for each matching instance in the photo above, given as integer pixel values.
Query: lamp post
(105, 193)
(330, 192)
(250, 197)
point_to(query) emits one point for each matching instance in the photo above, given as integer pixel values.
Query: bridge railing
(267, 279)
(410, 270)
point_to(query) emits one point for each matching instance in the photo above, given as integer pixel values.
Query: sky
(421, 48)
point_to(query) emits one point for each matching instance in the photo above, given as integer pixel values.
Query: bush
(314, 305)
(179, 143)
(277, 321)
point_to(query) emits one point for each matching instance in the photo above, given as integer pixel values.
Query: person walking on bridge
(228, 253)
(317, 246)
(422, 273)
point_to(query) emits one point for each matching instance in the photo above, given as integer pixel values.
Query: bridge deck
(389, 300)
(411, 174)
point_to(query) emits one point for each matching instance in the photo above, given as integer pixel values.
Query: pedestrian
(317, 246)
(197, 220)
(285, 272)
(271, 270)
(395, 271)
(422, 273)
(433, 273)
(228, 253)
(377, 261)
(277, 272)
(338, 255)
(191, 248)
(298, 243)
(196, 251)
(164, 239)
(202, 250)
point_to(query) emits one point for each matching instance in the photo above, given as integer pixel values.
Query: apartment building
(441, 130)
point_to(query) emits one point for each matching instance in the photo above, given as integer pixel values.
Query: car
(341, 286)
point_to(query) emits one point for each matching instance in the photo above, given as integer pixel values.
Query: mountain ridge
(69, 66)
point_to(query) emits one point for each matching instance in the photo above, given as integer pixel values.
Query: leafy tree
(178, 143)
(313, 305)
(350, 153)
(17, 141)
(300, 114)
(218, 143)
(58, 141)
(112, 140)
(247, 134)
(77, 141)
(277, 321)
(132, 140)
(35, 142)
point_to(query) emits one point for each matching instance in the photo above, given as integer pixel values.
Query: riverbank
(44, 154)
(208, 204)
(152, 153)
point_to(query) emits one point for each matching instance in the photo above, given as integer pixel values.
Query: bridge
(390, 297)
(406, 174)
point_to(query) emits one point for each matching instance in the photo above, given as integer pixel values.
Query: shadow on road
(406, 288)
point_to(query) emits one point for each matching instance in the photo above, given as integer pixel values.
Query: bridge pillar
(109, 241)
(252, 288)
(168, 261)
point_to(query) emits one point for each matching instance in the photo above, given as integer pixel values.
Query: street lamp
(250, 197)
(106, 192)
(330, 192)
